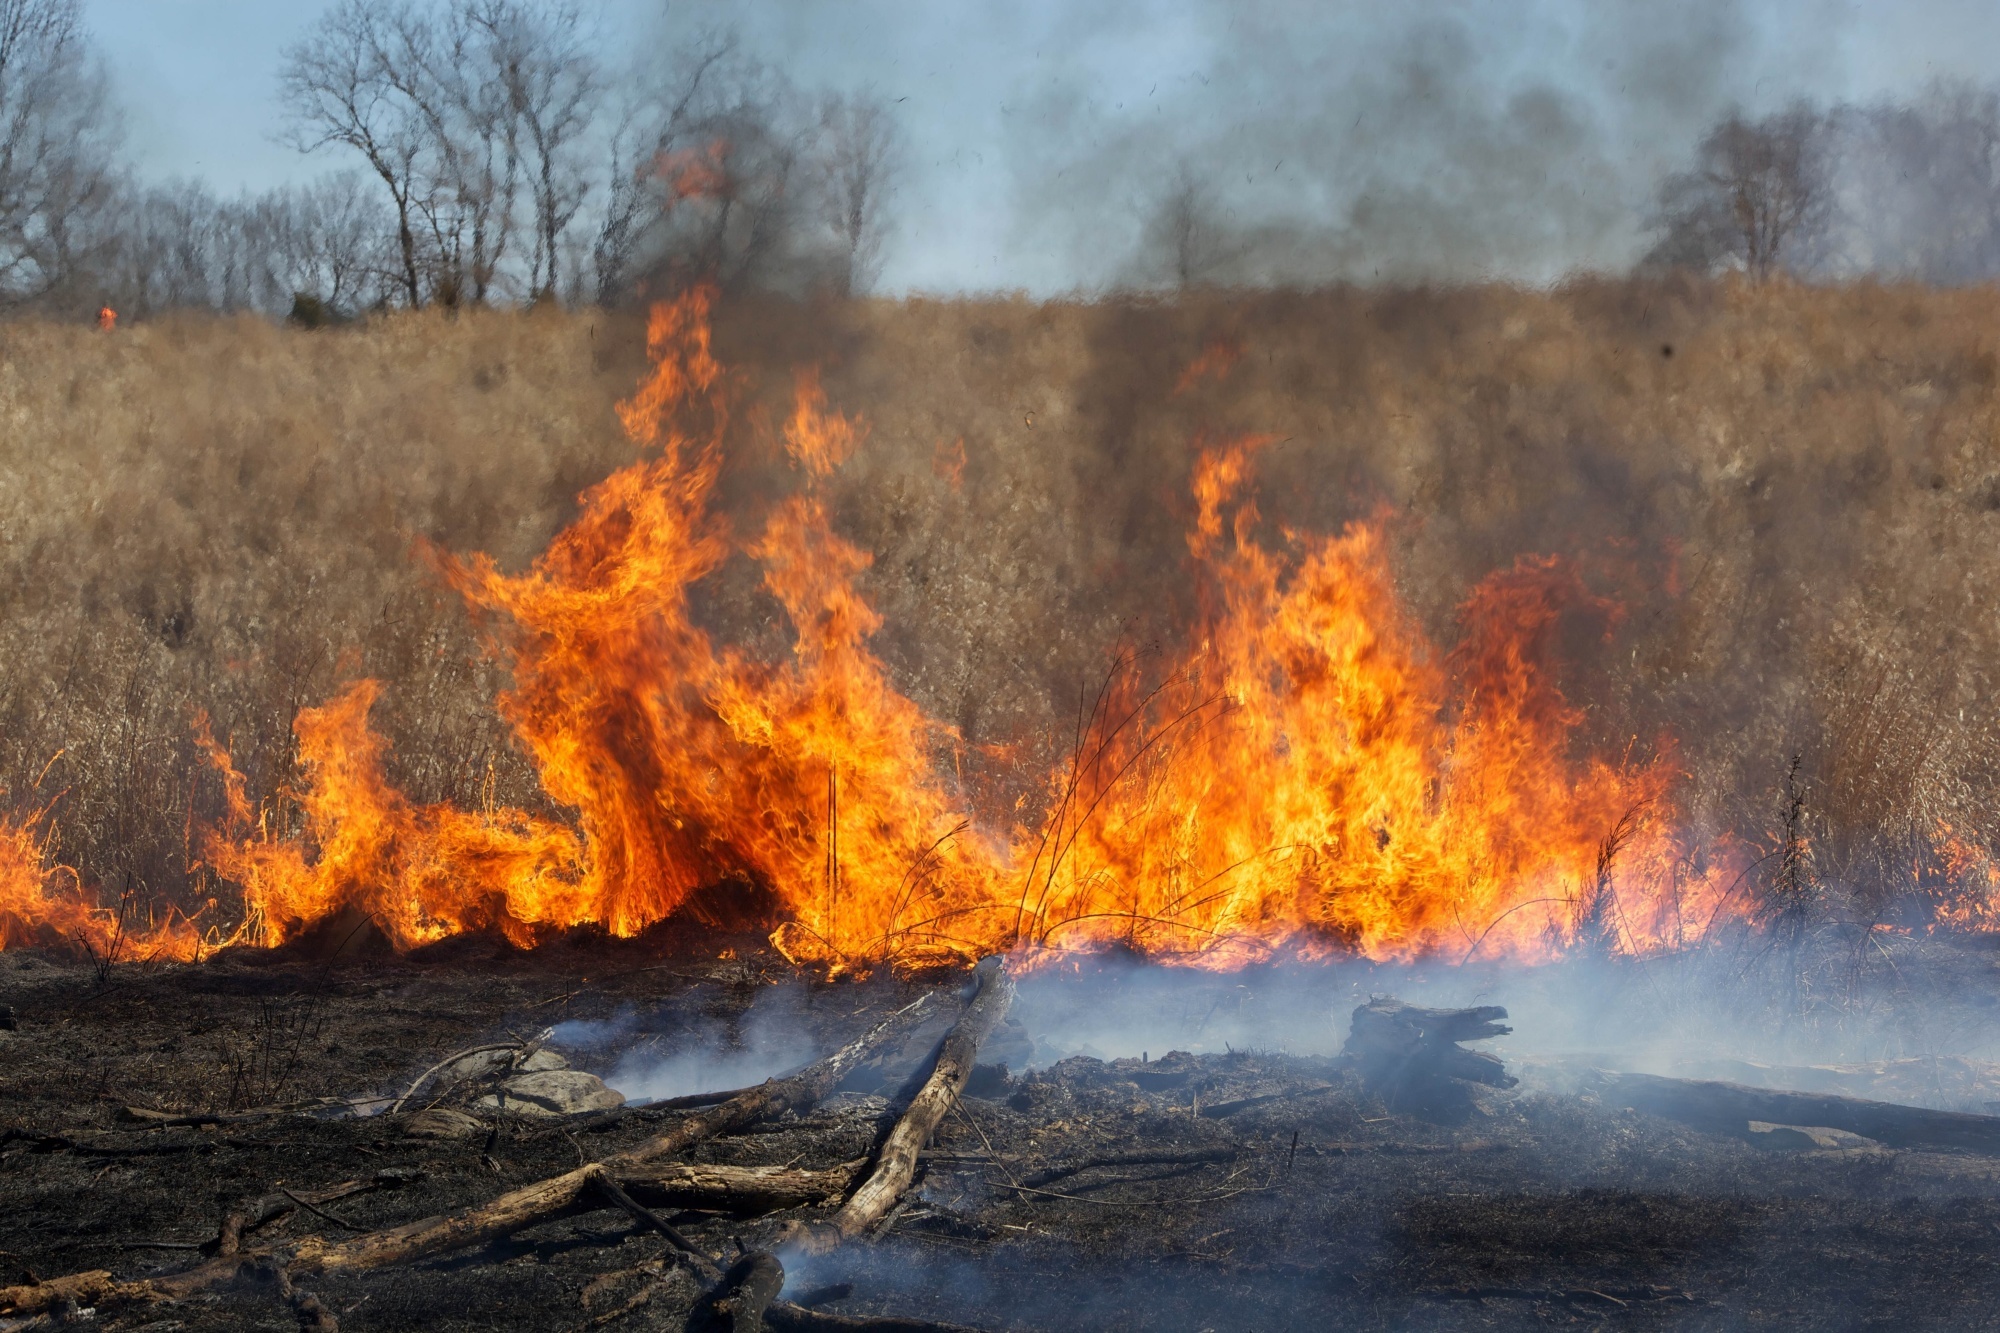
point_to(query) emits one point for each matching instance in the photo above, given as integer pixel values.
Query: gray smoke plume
(1442, 142)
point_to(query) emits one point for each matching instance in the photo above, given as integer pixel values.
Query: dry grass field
(1793, 492)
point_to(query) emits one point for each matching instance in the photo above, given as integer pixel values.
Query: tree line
(1895, 190)
(1898, 190)
(486, 153)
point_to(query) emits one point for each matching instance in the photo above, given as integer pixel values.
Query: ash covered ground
(1163, 1149)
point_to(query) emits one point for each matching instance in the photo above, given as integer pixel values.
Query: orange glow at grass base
(1312, 777)
(44, 906)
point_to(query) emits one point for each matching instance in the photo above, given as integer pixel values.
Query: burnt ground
(1291, 1199)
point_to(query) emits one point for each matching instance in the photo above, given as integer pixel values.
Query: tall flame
(1313, 776)
(1317, 777)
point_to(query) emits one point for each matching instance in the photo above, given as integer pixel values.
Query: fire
(694, 173)
(1317, 776)
(419, 872)
(49, 906)
(1312, 776)
(1972, 900)
(1217, 359)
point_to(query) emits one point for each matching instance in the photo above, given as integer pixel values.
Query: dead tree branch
(896, 1163)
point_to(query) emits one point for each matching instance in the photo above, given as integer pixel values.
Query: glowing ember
(1314, 777)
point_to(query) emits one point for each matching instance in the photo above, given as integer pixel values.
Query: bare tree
(1756, 188)
(447, 66)
(1916, 187)
(57, 136)
(176, 246)
(857, 156)
(318, 247)
(338, 90)
(553, 87)
(167, 244)
(707, 179)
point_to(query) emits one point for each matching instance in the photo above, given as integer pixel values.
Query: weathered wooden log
(736, 1189)
(548, 1199)
(516, 1210)
(1728, 1108)
(96, 1287)
(896, 1163)
(1411, 1058)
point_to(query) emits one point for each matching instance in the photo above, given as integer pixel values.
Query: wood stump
(1410, 1057)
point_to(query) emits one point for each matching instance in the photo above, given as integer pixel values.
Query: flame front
(1313, 776)
(1316, 778)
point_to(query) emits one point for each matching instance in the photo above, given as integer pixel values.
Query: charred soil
(1241, 1190)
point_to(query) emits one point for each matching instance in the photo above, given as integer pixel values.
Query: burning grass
(822, 663)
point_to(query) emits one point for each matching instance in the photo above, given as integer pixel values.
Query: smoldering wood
(541, 1201)
(896, 1162)
(1728, 1108)
(738, 1303)
(1410, 1056)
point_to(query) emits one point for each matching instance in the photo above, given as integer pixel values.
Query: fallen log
(736, 1189)
(685, 1250)
(270, 1207)
(151, 1119)
(544, 1200)
(1728, 1108)
(547, 1199)
(896, 1163)
(788, 1318)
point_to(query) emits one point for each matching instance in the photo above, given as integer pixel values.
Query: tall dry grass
(1795, 492)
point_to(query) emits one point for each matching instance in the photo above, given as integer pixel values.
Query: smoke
(1440, 142)
(658, 1060)
(1737, 1009)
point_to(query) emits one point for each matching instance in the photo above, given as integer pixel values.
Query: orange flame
(1315, 776)
(694, 173)
(1317, 779)
(1973, 881)
(49, 907)
(420, 872)
(1215, 362)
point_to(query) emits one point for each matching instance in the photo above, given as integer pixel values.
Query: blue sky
(1039, 128)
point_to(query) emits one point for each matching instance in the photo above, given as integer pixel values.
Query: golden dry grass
(1795, 492)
